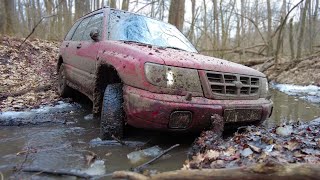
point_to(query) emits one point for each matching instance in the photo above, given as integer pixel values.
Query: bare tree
(176, 13)
(9, 14)
(270, 43)
(125, 5)
(113, 3)
(291, 40)
(302, 27)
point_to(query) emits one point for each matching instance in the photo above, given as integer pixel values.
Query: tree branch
(139, 168)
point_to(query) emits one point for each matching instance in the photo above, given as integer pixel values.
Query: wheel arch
(60, 61)
(105, 74)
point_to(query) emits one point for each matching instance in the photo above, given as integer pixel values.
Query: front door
(83, 53)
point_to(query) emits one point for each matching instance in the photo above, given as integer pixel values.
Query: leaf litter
(289, 143)
(28, 75)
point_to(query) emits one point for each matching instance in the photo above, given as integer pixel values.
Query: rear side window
(71, 32)
(95, 22)
(80, 30)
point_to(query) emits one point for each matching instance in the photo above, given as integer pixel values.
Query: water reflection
(291, 109)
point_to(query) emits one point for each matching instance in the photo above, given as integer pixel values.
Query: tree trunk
(2, 18)
(270, 44)
(242, 23)
(193, 18)
(291, 40)
(125, 5)
(176, 13)
(216, 23)
(302, 26)
(9, 16)
(113, 3)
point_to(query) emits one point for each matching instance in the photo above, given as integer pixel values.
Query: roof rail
(95, 10)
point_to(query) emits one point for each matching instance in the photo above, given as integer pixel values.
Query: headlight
(173, 77)
(264, 88)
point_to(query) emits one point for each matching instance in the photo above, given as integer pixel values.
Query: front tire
(112, 113)
(63, 88)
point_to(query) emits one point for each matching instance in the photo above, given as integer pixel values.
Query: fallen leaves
(294, 143)
(28, 75)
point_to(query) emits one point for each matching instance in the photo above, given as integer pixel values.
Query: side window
(80, 30)
(71, 32)
(95, 22)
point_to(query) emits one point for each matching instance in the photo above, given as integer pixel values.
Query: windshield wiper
(139, 43)
(172, 47)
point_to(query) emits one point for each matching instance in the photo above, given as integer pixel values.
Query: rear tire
(112, 113)
(63, 89)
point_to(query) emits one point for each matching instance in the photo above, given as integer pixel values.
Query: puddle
(65, 145)
(291, 109)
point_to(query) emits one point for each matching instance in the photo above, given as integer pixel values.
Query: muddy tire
(112, 114)
(63, 89)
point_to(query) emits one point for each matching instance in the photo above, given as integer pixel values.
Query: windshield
(126, 26)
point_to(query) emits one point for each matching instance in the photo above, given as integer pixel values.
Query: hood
(178, 58)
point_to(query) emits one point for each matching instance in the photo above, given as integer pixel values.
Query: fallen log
(253, 62)
(267, 171)
(57, 172)
(266, 65)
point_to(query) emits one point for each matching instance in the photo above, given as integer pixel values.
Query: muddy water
(64, 145)
(291, 109)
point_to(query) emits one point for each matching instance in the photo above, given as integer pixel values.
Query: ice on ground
(309, 93)
(284, 131)
(88, 117)
(138, 156)
(96, 168)
(100, 142)
(60, 107)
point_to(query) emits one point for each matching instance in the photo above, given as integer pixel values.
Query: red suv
(145, 73)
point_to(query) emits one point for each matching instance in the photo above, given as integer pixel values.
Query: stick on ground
(139, 168)
(118, 140)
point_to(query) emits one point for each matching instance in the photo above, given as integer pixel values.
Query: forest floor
(28, 73)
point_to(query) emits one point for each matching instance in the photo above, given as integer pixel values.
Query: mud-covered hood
(178, 58)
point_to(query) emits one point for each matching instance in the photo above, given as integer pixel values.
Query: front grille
(233, 85)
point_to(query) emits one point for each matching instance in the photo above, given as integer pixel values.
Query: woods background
(237, 30)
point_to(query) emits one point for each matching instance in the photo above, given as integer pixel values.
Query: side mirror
(94, 34)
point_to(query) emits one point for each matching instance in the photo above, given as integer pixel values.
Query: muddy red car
(145, 73)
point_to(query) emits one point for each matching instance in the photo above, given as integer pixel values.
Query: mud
(62, 137)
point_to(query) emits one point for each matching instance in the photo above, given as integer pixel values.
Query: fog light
(180, 119)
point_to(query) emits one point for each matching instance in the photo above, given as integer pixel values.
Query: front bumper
(149, 110)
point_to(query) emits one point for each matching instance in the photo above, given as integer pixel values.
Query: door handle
(79, 46)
